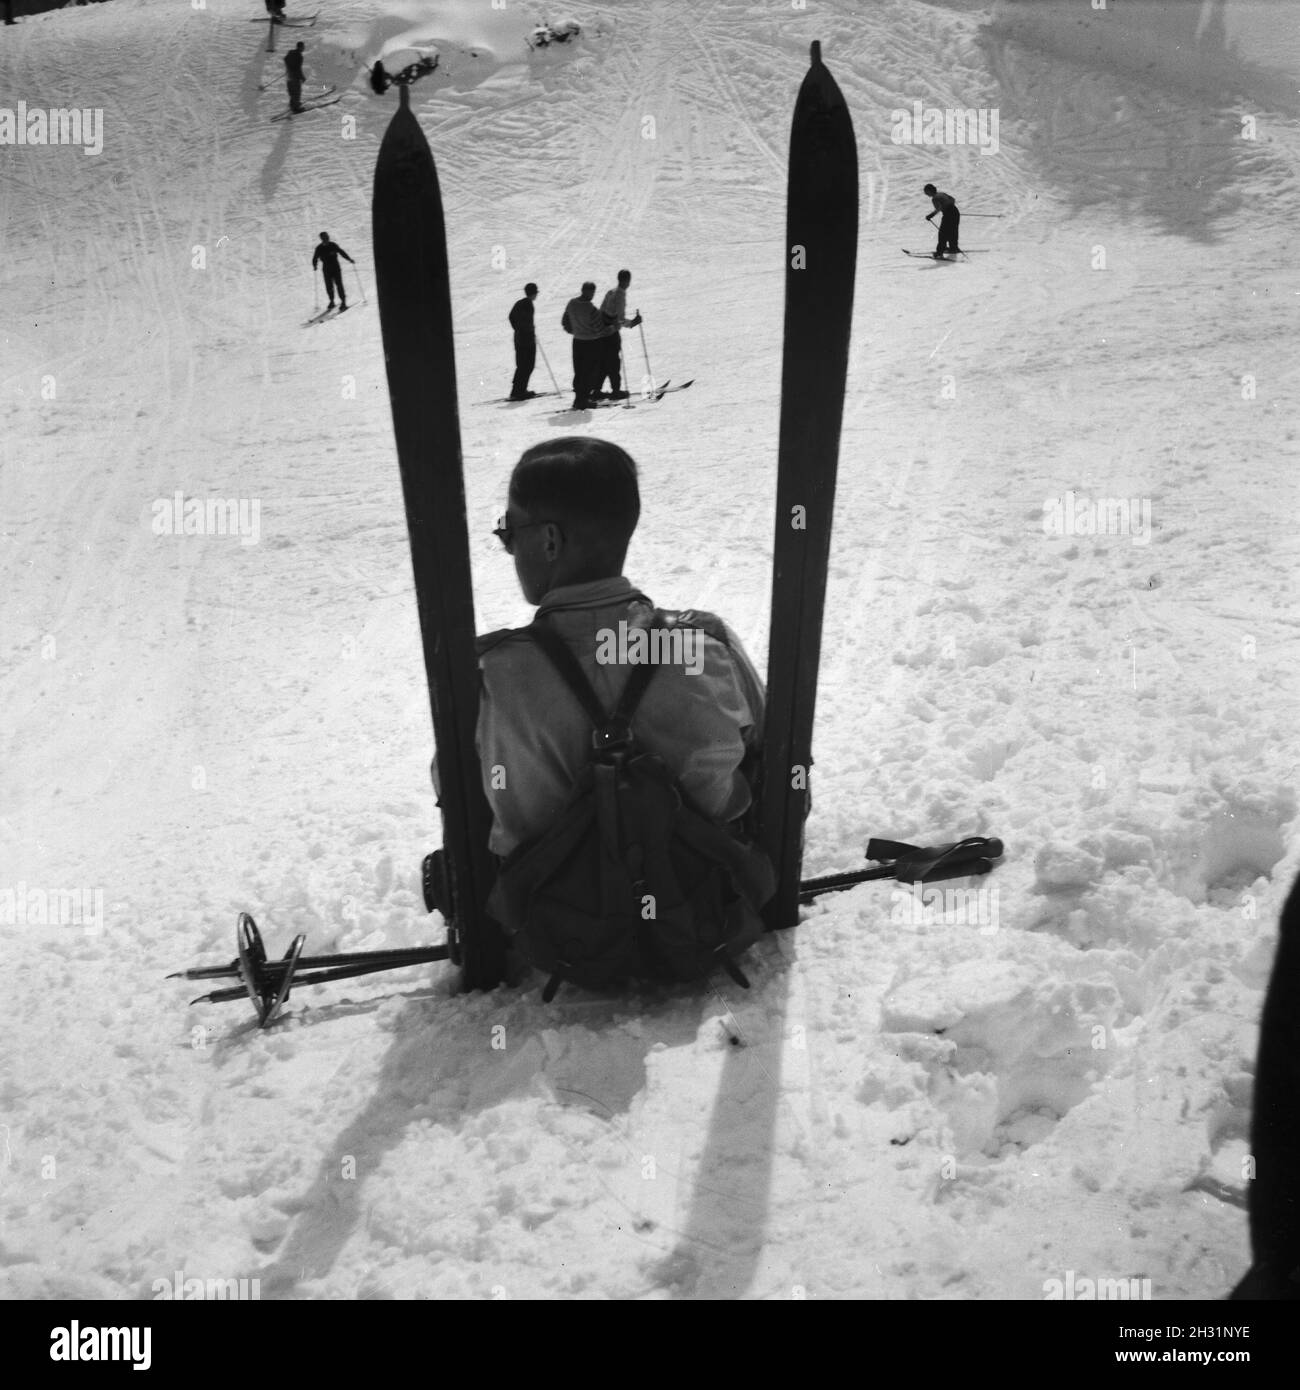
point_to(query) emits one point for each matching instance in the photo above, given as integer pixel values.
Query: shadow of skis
(721, 1241)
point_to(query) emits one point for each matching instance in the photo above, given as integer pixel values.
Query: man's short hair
(588, 485)
(530, 288)
(588, 285)
(624, 276)
(929, 188)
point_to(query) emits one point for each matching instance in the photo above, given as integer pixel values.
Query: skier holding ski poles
(326, 255)
(614, 310)
(945, 207)
(521, 320)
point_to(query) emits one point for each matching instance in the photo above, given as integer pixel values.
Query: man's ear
(554, 540)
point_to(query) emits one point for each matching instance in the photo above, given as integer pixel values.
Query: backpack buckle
(612, 736)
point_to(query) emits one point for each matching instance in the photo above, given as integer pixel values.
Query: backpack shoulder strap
(609, 728)
(568, 666)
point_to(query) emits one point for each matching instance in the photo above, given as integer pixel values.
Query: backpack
(630, 881)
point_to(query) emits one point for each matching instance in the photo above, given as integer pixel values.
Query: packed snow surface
(957, 1099)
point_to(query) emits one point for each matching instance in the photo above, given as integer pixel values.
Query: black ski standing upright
(415, 313)
(821, 254)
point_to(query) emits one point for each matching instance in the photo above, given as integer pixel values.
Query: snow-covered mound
(1060, 611)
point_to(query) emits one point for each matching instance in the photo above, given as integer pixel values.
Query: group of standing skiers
(597, 342)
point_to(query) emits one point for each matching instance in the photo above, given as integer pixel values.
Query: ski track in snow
(196, 725)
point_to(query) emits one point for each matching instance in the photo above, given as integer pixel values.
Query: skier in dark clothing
(293, 75)
(614, 309)
(589, 328)
(949, 221)
(521, 320)
(327, 256)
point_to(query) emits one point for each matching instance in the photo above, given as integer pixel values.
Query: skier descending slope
(326, 255)
(945, 207)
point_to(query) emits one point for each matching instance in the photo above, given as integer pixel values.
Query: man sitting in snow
(572, 508)
(619, 748)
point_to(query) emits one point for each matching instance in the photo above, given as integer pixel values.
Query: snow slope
(195, 724)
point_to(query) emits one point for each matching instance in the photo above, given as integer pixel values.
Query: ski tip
(815, 52)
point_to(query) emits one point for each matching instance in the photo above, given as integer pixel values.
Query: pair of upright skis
(415, 311)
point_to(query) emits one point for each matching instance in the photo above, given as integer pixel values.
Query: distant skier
(326, 255)
(293, 61)
(521, 320)
(613, 309)
(589, 328)
(275, 8)
(949, 220)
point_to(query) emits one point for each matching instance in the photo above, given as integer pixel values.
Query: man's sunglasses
(505, 532)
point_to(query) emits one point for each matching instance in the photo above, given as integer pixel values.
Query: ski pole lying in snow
(268, 982)
(911, 864)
